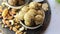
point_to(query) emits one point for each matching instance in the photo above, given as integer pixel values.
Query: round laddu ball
(38, 19)
(33, 5)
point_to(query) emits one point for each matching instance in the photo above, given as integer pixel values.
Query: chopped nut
(12, 13)
(5, 12)
(17, 26)
(21, 29)
(14, 29)
(9, 17)
(19, 32)
(11, 21)
(15, 23)
(11, 28)
(7, 22)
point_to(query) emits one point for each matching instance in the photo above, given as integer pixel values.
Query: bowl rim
(16, 7)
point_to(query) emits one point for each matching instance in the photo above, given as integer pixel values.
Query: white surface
(54, 26)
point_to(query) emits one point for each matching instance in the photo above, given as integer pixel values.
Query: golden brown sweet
(23, 11)
(38, 19)
(33, 5)
(25, 8)
(40, 12)
(29, 16)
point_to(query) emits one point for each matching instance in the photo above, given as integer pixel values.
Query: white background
(54, 26)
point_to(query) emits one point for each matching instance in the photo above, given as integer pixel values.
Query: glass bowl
(16, 7)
